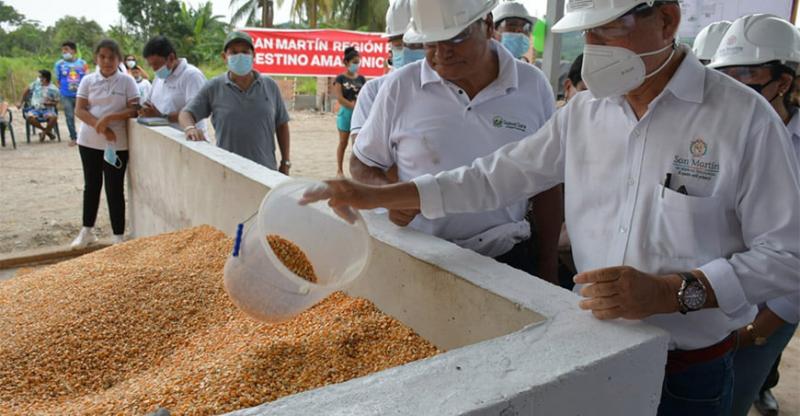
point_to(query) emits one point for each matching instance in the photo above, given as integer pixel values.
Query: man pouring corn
(680, 214)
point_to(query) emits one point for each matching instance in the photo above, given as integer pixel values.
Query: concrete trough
(514, 345)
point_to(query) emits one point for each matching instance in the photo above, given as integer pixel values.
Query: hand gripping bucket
(261, 286)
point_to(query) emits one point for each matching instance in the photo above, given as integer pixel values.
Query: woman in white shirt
(106, 99)
(142, 83)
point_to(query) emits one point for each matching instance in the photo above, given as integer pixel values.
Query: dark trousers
(522, 256)
(95, 172)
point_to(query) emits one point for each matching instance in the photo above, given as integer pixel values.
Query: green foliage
(17, 73)
(148, 18)
(85, 33)
(9, 15)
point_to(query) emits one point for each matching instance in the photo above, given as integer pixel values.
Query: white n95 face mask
(609, 70)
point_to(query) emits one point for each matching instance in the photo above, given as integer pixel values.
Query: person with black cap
(247, 107)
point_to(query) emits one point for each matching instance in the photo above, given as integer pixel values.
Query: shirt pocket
(683, 226)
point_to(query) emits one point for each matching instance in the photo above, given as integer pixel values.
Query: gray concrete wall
(516, 345)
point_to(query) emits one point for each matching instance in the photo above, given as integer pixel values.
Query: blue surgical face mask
(353, 68)
(110, 156)
(163, 72)
(413, 55)
(67, 56)
(398, 57)
(516, 43)
(240, 64)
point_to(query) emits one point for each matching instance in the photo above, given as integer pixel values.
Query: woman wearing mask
(346, 87)
(106, 99)
(131, 63)
(763, 52)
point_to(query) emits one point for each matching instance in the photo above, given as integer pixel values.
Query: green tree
(86, 33)
(27, 39)
(148, 18)
(248, 11)
(10, 16)
(310, 12)
(365, 15)
(203, 33)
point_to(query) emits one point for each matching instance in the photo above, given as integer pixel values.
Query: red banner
(316, 52)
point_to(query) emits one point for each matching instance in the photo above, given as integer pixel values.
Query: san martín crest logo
(696, 165)
(698, 148)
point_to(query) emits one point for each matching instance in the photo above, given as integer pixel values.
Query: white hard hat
(509, 9)
(587, 14)
(439, 20)
(757, 39)
(397, 18)
(707, 41)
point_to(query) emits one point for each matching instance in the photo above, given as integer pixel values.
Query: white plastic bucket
(262, 287)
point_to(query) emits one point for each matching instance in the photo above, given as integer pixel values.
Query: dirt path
(41, 198)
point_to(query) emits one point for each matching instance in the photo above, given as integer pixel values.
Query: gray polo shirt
(244, 121)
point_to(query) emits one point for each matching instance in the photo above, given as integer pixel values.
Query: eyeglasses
(748, 74)
(623, 25)
(515, 25)
(455, 40)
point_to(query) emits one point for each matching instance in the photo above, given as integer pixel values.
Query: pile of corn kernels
(292, 257)
(147, 324)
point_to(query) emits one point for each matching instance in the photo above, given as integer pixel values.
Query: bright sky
(105, 12)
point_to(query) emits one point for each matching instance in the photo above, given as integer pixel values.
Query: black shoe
(766, 404)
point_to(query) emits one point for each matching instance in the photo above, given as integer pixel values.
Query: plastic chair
(3, 126)
(31, 129)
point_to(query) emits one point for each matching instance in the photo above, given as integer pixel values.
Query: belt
(680, 360)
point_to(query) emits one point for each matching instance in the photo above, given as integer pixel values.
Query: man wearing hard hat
(681, 193)
(397, 18)
(513, 27)
(763, 52)
(707, 41)
(468, 98)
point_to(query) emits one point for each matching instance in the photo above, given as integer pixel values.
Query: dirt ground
(41, 197)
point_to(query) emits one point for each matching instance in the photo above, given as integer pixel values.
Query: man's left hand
(624, 292)
(284, 169)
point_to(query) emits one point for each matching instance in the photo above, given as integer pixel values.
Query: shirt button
(636, 132)
(631, 181)
(623, 230)
(460, 91)
(469, 108)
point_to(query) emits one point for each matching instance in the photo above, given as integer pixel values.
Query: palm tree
(246, 11)
(369, 15)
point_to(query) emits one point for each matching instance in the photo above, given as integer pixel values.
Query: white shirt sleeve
(366, 98)
(194, 83)
(83, 87)
(767, 199)
(131, 89)
(515, 171)
(787, 307)
(373, 147)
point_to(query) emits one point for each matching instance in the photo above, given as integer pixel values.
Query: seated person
(41, 107)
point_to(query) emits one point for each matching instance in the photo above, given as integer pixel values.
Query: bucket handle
(237, 242)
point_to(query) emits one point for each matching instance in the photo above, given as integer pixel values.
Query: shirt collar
(182, 64)
(229, 81)
(507, 75)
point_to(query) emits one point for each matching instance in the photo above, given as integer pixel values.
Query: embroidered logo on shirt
(500, 122)
(695, 166)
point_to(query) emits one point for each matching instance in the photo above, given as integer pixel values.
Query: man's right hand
(195, 135)
(402, 217)
(344, 196)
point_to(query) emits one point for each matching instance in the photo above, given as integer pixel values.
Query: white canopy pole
(551, 61)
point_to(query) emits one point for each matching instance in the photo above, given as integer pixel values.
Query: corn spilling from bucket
(147, 324)
(293, 257)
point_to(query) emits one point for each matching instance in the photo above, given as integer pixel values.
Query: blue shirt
(69, 75)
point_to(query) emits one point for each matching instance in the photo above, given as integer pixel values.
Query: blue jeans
(752, 366)
(704, 389)
(69, 113)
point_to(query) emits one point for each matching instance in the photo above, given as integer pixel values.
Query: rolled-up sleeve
(514, 172)
(768, 198)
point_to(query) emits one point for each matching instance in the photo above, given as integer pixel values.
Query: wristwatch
(758, 341)
(692, 294)
(287, 163)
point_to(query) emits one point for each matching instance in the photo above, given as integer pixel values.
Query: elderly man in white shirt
(176, 82)
(681, 193)
(468, 98)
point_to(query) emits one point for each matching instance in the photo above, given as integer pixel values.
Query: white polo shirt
(106, 96)
(739, 223)
(174, 93)
(366, 98)
(425, 125)
(788, 307)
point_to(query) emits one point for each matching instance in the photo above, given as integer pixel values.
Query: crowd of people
(664, 186)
